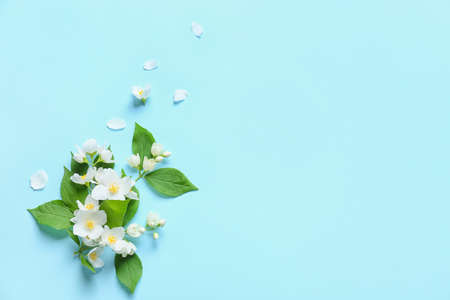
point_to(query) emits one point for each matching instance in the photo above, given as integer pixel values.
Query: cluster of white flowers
(149, 164)
(90, 147)
(105, 184)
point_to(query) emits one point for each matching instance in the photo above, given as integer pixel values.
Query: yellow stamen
(141, 92)
(89, 206)
(83, 177)
(113, 188)
(90, 224)
(112, 239)
(93, 256)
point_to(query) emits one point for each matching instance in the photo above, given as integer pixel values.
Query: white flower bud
(167, 154)
(159, 159)
(135, 230)
(134, 160)
(90, 146)
(155, 235)
(152, 219)
(148, 164)
(157, 149)
(162, 222)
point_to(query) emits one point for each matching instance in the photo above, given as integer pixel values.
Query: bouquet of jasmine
(97, 203)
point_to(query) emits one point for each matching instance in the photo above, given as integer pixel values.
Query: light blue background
(317, 132)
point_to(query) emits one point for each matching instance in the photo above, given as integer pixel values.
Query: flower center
(112, 239)
(113, 188)
(83, 177)
(141, 91)
(90, 225)
(93, 256)
(89, 206)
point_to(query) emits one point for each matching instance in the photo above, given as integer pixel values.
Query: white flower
(89, 223)
(141, 93)
(134, 160)
(90, 146)
(180, 95)
(94, 257)
(38, 180)
(153, 219)
(111, 236)
(111, 186)
(105, 155)
(124, 248)
(86, 178)
(157, 149)
(135, 230)
(148, 164)
(89, 204)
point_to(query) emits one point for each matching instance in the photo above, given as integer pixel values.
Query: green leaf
(74, 238)
(170, 182)
(128, 270)
(86, 263)
(54, 214)
(132, 208)
(115, 210)
(142, 142)
(71, 192)
(78, 168)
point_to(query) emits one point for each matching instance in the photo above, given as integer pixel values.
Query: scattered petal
(38, 180)
(180, 95)
(150, 65)
(197, 29)
(116, 124)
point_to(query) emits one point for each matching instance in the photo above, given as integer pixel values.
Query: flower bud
(135, 230)
(162, 222)
(155, 235)
(148, 164)
(159, 159)
(152, 219)
(134, 161)
(167, 154)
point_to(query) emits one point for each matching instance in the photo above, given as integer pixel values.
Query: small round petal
(38, 180)
(180, 95)
(116, 124)
(197, 29)
(150, 65)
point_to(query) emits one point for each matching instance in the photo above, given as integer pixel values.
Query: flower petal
(38, 180)
(197, 29)
(179, 95)
(150, 65)
(116, 124)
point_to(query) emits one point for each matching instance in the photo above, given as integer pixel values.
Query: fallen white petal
(150, 65)
(197, 29)
(116, 124)
(180, 95)
(38, 180)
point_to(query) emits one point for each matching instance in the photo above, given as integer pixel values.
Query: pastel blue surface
(317, 132)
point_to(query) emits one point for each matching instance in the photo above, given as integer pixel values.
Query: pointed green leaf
(128, 270)
(142, 142)
(170, 182)
(54, 214)
(115, 210)
(74, 238)
(86, 263)
(71, 192)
